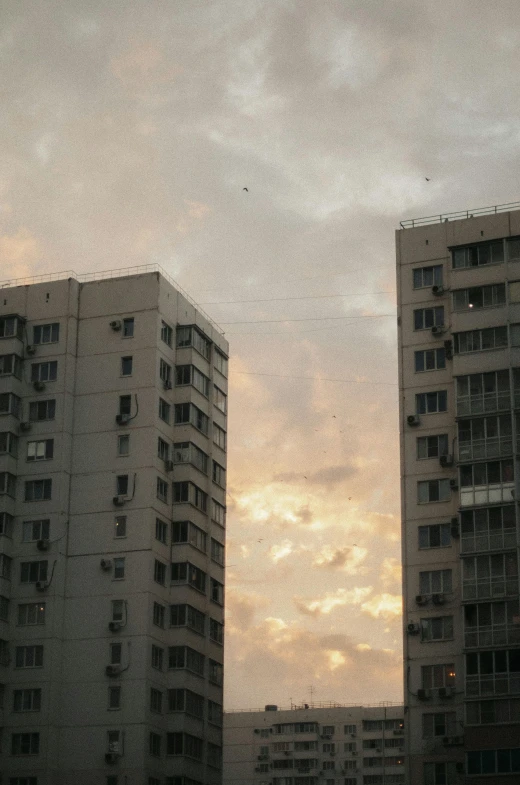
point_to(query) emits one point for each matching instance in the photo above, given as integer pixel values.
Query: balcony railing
(485, 448)
(488, 541)
(492, 684)
(497, 635)
(489, 588)
(486, 494)
(486, 402)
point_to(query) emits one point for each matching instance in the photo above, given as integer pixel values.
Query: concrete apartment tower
(459, 367)
(112, 521)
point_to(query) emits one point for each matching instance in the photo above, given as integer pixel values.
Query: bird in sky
(427, 179)
(261, 540)
(245, 189)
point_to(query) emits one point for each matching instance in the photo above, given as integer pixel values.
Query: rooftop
(312, 706)
(444, 217)
(103, 275)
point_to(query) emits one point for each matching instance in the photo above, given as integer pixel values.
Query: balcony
(492, 635)
(478, 685)
(495, 493)
(479, 449)
(489, 587)
(488, 541)
(486, 402)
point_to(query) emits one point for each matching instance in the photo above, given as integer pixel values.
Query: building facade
(113, 397)
(315, 745)
(459, 367)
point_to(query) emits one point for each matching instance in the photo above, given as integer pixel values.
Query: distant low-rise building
(315, 744)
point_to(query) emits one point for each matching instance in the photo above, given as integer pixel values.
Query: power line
(306, 278)
(309, 297)
(313, 319)
(313, 378)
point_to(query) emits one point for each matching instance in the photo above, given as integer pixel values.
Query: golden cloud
(384, 606)
(347, 558)
(331, 600)
(18, 253)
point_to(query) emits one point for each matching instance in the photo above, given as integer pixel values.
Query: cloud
(242, 607)
(383, 606)
(391, 572)
(331, 600)
(347, 558)
(281, 551)
(18, 254)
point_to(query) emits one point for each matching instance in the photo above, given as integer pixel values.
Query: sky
(128, 133)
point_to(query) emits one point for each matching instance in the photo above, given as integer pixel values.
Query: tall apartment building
(459, 367)
(315, 744)
(112, 521)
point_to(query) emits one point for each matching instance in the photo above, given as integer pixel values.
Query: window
(186, 701)
(484, 483)
(184, 744)
(435, 676)
(426, 318)
(157, 657)
(219, 474)
(125, 405)
(8, 443)
(440, 773)
(350, 730)
(515, 334)
(46, 333)
(215, 713)
(489, 576)
(180, 657)
(480, 340)
(30, 613)
(118, 610)
(219, 437)
(430, 360)
(479, 297)
(189, 374)
(119, 568)
(436, 535)
(29, 781)
(42, 410)
(29, 657)
(189, 493)
(25, 743)
(164, 410)
(184, 572)
(155, 700)
(220, 399)
(435, 582)
(478, 393)
(114, 698)
(32, 531)
(166, 333)
(11, 326)
(188, 413)
(120, 526)
(165, 374)
(503, 761)
(186, 531)
(491, 528)
(431, 402)
(438, 628)
(116, 653)
(154, 745)
(216, 591)
(10, 404)
(163, 449)
(217, 551)
(158, 614)
(216, 673)
(8, 484)
(128, 327)
(187, 452)
(427, 276)
(5, 566)
(220, 362)
(432, 446)
(162, 490)
(44, 372)
(123, 444)
(37, 490)
(216, 631)
(4, 608)
(328, 765)
(218, 512)
(159, 572)
(115, 741)
(161, 530)
(485, 437)
(187, 616)
(214, 755)
(33, 571)
(433, 491)
(478, 255)
(122, 484)
(6, 524)
(439, 724)
(126, 366)
(10, 364)
(41, 450)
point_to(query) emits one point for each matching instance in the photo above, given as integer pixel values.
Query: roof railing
(318, 705)
(411, 223)
(105, 274)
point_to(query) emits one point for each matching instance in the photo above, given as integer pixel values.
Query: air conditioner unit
(105, 564)
(378, 749)
(399, 732)
(122, 419)
(413, 628)
(256, 730)
(39, 386)
(263, 757)
(446, 692)
(421, 599)
(413, 420)
(168, 465)
(167, 384)
(437, 330)
(116, 325)
(258, 769)
(113, 670)
(423, 695)
(29, 349)
(41, 585)
(454, 484)
(453, 741)
(25, 426)
(111, 757)
(115, 626)
(43, 545)
(438, 290)
(119, 500)
(438, 599)
(446, 460)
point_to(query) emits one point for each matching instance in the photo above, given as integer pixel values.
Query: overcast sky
(129, 130)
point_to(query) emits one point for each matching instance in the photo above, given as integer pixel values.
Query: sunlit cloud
(281, 551)
(384, 606)
(391, 572)
(332, 600)
(347, 558)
